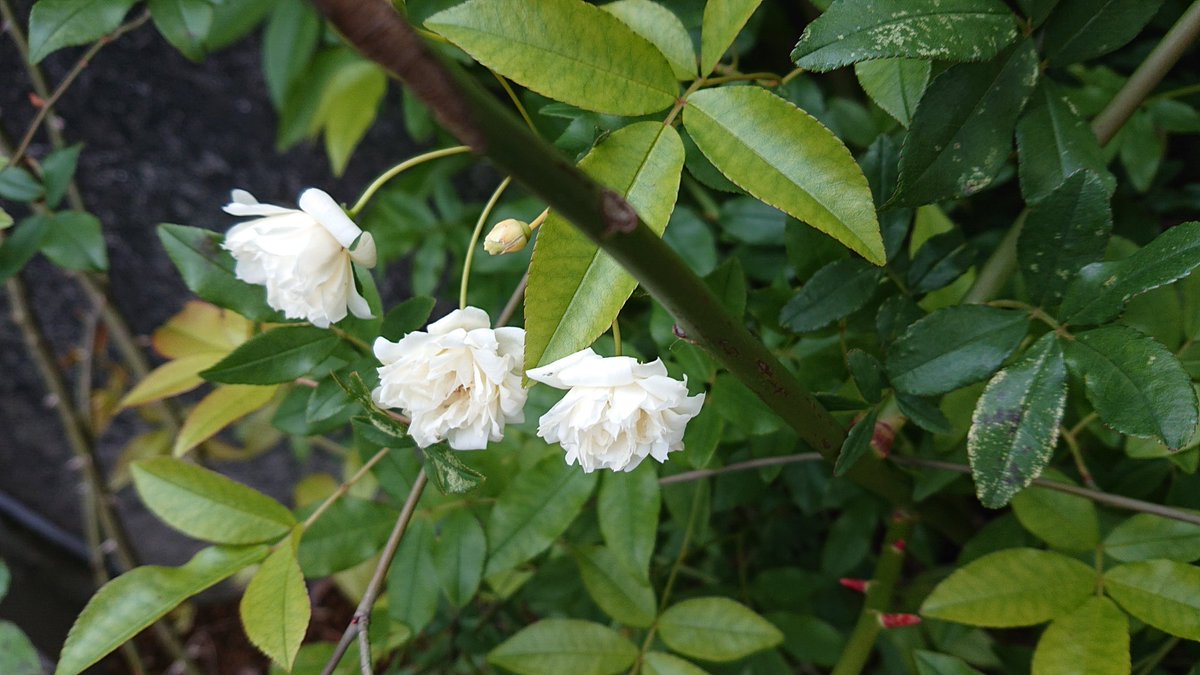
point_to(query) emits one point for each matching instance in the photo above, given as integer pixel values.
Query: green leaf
(1142, 149)
(924, 413)
(575, 289)
(1163, 593)
(458, 555)
(1137, 385)
(74, 240)
(1078, 30)
(628, 507)
(931, 663)
(208, 271)
(557, 646)
(1100, 292)
(728, 283)
(395, 432)
(536, 507)
(1064, 521)
(5, 579)
(6, 220)
(868, 374)
(171, 378)
(1015, 425)
(1009, 588)
(1092, 640)
(412, 581)
(57, 171)
(954, 347)
(184, 23)
(940, 30)
(349, 532)
(962, 130)
(406, 317)
(1145, 536)
(627, 598)
(208, 506)
(662, 663)
(219, 409)
(1053, 143)
(716, 629)
(448, 473)
(349, 103)
(125, 606)
(54, 24)
(786, 158)
(1037, 10)
(1066, 230)
(18, 656)
(662, 28)
(940, 260)
(857, 443)
(567, 50)
(274, 357)
(275, 610)
(19, 185)
(723, 20)
(22, 244)
(289, 42)
(836, 291)
(896, 85)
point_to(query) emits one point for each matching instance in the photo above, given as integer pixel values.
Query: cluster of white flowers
(459, 381)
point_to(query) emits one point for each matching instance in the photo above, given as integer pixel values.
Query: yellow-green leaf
(575, 289)
(275, 609)
(1163, 593)
(723, 20)
(218, 410)
(786, 158)
(1092, 640)
(206, 505)
(171, 378)
(131, 602)
(560, 646)
(716, 629)
(662, 28)
(567, 50)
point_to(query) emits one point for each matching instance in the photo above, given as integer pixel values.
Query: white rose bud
(302, 256)
(460, 381)
(616, 411)
(507, 236)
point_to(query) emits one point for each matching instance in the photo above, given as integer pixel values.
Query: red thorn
(898, 620)
(899, 545)
(857, 585)
(882, 438)
(36, 101)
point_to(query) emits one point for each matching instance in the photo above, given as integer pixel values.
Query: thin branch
(362, 614)
(1115, 501)
(344, 488)
(740, 466)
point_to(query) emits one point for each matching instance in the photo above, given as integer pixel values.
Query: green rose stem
(470, 257)
(399, 169)
(476, 118)
(1000, 267)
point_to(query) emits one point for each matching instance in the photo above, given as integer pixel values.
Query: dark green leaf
(349, 532)
(1015, 425)
(74, 240)
(931, 663)
(22, 244)
(1013, 587)
(412, 581)
(289, 41)
(1163, 593)
(560, 646)
(752, 221)
(716, 629)
(867, 372)
(534, 510)
(962, 130)
(628, 507)
(276, 356)
(184, 23)
(857, 443)
(954, 347)
(1062, 233)
(944, 30)
(19, 185)
(924, 413)
(1100, 292)
(1037, 10)
(394, 433)
(1137, 386)
(836, 291)
(459, 555)
(54, 24)
(57, 171)
(894, 317)
(1142, 150)
(894, 84)
(408, 316)
(1053, 143)
(448, 473)
(728, 283)
(1078, 30)
(940, 260)
(208, 271)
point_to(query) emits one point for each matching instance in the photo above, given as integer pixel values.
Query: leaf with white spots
(1015, 425)
(943, 30)
(1063, 232)
(962, 131)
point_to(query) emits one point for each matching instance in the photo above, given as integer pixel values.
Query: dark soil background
(164, 140)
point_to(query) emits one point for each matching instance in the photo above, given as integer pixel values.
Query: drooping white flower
(459, 380)
(302, 256)
(616, 411)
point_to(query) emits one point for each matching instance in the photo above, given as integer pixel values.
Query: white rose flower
(301, 256)
(616, 411)
(460, 381)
